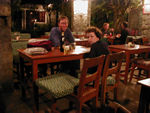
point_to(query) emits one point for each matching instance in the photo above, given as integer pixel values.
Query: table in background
(134, 39)
(144, 96)
(138, 49)
(82, 42)
(79, 35)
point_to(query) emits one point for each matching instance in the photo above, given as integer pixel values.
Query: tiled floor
(128, 97)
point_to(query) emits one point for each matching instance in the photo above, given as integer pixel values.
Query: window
(146, 7)
(81, 7)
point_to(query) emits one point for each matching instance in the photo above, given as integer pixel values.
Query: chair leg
(95, 104)
(36, 96)
(103, 98)
(148, 74)
(53, 108)
(116, 94)
(79, 108)
(132, 71)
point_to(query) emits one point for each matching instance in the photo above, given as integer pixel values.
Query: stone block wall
(135, 20)
(146, 25)
(141, 22)
(5, 42)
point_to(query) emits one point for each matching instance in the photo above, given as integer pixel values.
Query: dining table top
(145, 82)
(55, 52)
(128, 48)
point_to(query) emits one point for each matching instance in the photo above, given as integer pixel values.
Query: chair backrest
(145, 40)
(86, 90)
(112, 67)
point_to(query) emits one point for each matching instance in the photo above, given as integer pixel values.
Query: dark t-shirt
(97, 49)
(124, 34)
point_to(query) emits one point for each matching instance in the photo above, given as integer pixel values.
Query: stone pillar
(5, 43)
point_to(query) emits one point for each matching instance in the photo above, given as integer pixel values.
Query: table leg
(127, 68)
(22, 79)
(144, 100)
(34, 70)
(35, 88)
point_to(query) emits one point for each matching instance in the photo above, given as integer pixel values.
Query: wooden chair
(145, 41)
(143, 64)
(62, 85)
(111, 75)
(118, 108)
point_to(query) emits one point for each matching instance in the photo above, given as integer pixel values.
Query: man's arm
(69, 36)
(54, 37)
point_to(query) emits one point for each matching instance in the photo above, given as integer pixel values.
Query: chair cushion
(110, 80)
(58, 85)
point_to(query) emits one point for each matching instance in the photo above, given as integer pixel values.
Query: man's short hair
(61, 18)
(105, 24)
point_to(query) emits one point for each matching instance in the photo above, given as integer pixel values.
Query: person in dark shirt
(121, 38)
(98, 47)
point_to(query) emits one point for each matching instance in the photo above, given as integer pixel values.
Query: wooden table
(53, 56)
(134, 39)
(144, 96)
(78, 35)
(138, 49)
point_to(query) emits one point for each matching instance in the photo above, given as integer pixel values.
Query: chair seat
(53, 84)
(110, 80)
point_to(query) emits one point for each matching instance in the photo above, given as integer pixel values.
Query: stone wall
(139, 21)
(135, 20)
(146, 25)
(5, 42)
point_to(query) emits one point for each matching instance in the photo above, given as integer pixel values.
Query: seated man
(56, 35)
(121, 38)
(106, 32)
